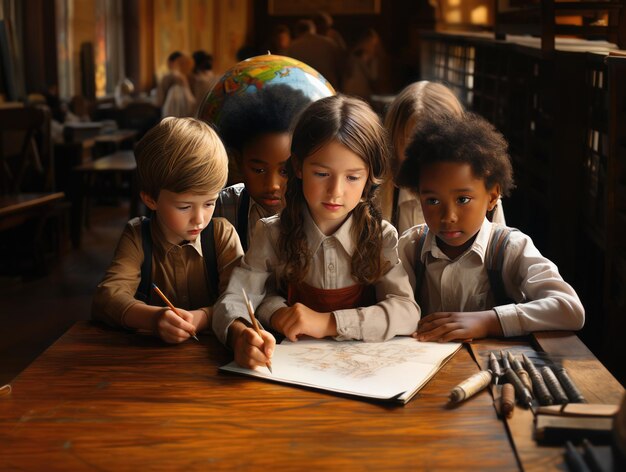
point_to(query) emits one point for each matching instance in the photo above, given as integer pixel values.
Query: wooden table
(120, 163)
(14, 209)
(20, 208)
(112, 142)
(110, 400)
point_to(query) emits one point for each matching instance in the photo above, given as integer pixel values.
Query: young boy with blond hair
(181, 167)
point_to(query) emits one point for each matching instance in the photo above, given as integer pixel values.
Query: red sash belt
(328, 300)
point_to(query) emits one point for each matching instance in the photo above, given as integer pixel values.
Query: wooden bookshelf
(451, 62)
(592, 20)
(615, 262)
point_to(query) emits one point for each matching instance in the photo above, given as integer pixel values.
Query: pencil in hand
(166, 300)
(255, 325)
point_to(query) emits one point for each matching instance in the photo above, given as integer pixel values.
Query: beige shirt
(255, 213)
(179, 271)
(543, 300)
(409, 211)
(395, 313)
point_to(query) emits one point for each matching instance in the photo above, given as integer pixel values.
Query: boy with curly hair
(473, 278)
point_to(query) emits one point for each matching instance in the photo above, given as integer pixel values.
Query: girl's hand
(173, 328)
(299, 319)
(252, 350)
(458, 326)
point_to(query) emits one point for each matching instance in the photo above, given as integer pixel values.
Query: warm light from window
(479, 15)
(453, 16)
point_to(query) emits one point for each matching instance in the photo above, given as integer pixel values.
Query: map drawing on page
(392, 370)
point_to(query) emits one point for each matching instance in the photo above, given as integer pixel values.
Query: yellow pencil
(255, 325)
(165, 299)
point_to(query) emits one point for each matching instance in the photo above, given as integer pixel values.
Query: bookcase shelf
(596, 19)
(615, 274)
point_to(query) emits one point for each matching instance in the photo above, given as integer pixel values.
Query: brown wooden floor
(35, 312)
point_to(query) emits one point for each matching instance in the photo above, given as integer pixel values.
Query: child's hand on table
(458, 326)
(299, 320)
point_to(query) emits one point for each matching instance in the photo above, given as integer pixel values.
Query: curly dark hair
(467, 139)
(271, 109)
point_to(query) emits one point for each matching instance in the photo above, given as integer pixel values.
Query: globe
(263, 71)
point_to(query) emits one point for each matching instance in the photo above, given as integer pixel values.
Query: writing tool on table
(168, 303)
(521, 392)
(255, 325)
(520, 371)
(507, 400)
(539, 386)
(471, 386)
(505, 361)
(568, 385)
(560, 397)
(591, 456)
(574, 459)
(494, 366)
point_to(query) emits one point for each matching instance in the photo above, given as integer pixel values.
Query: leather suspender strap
(242, 218)
(207, 240)
(143, 291)
(420, 268)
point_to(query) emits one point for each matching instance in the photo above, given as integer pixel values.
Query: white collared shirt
(255, 213)
(543, 300)
(396, 312)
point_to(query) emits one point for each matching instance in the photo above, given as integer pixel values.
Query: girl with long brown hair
(328, 264)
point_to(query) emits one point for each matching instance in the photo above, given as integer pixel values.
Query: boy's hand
(458, 326)
(300, 319)
(173, 328)
(252, 350)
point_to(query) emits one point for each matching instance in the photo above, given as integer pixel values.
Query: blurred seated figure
(124, 92)
(179, 100)
(203, 76)
(80, 109)
(324, 26)
(166, 80)
(279, 41)
(317, 51)
(366, 67)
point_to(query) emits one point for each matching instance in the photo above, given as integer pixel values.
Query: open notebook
(393, 370)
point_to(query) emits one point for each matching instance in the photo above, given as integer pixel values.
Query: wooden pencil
(255, 325)
(166, 300)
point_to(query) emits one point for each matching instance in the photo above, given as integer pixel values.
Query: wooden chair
(120, 166)
(140, 116)
(27, 197)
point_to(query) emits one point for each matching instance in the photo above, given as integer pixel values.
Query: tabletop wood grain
(100, 399)
(593, 379)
